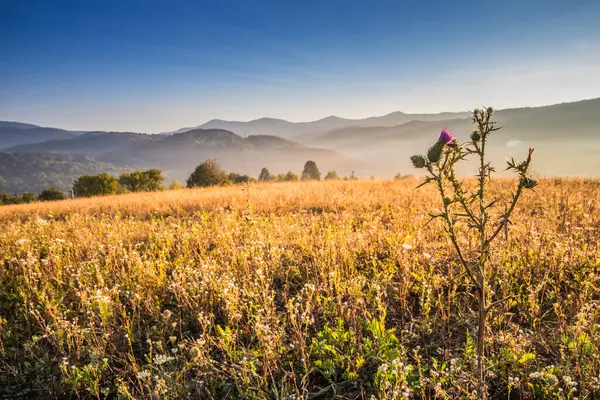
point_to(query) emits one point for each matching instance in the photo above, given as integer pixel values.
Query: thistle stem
(440, 164)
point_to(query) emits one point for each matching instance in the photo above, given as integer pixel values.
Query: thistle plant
(469, 213)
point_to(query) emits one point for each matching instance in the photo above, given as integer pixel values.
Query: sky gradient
(152, 66)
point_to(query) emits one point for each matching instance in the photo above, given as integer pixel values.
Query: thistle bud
(418, 161)
(435, 152)
(475, 136)
(528, 183)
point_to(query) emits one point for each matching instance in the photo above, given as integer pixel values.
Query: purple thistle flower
(446, 136)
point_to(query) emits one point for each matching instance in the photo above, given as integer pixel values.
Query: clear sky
(152, 66)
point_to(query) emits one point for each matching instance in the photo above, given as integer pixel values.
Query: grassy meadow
(308, 290)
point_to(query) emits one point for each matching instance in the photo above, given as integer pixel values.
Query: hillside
(16, 125)
(14, 134)
(177, 155)
(577, 120)
(383, 144)
(529, 123)
(22, 172)
(99, 144)
(234, 292)
(569, 130)
(379, 146)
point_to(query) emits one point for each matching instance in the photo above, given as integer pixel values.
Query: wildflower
(446, 136)
(551, 379)
(161, 359)
(407, 246)
(536, 375)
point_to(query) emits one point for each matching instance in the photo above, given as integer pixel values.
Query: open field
(291, 291)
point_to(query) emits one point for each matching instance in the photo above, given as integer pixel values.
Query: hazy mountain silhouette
(565, 136)
(530, 122)
(302, 130)
(89, 143)
(179, 154)
(17, 125)
(15, 133)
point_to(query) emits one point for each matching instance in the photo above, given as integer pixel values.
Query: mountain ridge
(379, 146)
(178, 154)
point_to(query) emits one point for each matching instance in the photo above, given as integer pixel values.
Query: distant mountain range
(528, 122)
(14, 133)
(178, 154)
(301, 130)
(565, 135)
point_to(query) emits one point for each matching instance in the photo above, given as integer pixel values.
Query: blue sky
(153, 66)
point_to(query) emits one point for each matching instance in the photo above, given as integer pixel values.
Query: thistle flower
(475, 136)
(446, 136)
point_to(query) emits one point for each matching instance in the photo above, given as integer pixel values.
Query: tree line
(208, 173)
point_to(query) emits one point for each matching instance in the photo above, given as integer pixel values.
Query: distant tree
(6, 199)
(237, 178)
(175, 185)
(287, 177)
(400, 177)
(95, 185)
(265, 175)
(331, 175)
(51, 194)
(209, 173)
(28, 197)
(311, 171)
(291, 177)
(142, 181)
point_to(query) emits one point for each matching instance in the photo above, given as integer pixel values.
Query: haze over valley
(565, 136)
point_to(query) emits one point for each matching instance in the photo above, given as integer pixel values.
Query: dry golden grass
(293, 290)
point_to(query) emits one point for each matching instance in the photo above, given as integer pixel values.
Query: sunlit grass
(292, 290)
